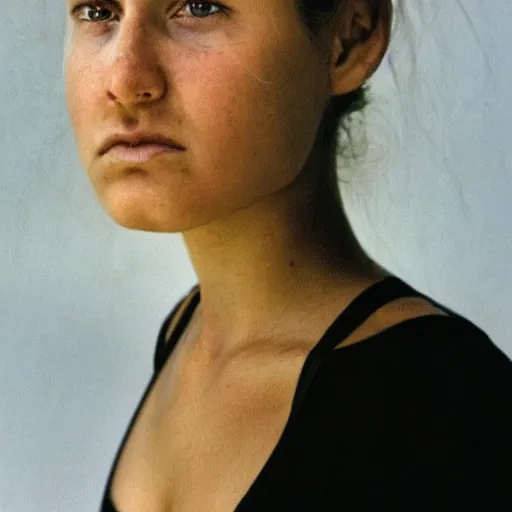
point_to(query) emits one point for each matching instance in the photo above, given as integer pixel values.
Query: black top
(416, 417)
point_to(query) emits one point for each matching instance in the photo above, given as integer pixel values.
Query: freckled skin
(242, 93)
(254, 197)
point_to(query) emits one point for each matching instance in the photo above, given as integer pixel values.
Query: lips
(138, 140)
(139, 153)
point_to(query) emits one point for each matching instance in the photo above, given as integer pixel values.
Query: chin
(135, 204)
(140, 206)
(143, 217)
(144, 223)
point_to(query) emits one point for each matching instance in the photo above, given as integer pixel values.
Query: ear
(362, 34)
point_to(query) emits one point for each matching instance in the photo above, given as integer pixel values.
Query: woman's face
(237, 84)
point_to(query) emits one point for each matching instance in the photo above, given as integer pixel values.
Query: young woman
(297, 374)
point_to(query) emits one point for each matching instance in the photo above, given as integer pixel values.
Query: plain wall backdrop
(82, 299)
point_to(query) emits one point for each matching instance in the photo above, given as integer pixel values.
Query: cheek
(251, 130)
(88, 118)
(78, 99)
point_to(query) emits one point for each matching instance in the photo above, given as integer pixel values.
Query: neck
(278, 257)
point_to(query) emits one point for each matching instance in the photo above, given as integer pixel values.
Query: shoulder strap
(362, 307)
(355, 314)
(173, 324)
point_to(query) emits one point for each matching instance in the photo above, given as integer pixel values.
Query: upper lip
(137, 138)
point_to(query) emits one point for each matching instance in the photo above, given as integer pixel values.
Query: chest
(201, 438)
(200, 447)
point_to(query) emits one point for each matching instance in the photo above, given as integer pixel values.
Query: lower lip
(140, 153)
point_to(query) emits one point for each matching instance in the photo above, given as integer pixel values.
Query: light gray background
(82, 299)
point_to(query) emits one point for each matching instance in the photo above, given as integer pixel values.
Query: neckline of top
(355, 314)
(360, 308)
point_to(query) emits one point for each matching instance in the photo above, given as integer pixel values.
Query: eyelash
(95, 4)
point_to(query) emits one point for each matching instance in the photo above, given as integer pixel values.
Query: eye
(96, 11)
(93, 9)
(202, 8)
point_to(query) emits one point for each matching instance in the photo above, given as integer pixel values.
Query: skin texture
(244, 93)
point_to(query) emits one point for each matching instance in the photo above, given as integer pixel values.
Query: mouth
(138, 140)
(140, 153)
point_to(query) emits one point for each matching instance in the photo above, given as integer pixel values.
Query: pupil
(96, 14)
(203, 5)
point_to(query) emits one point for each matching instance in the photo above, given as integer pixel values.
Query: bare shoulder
(391, 314)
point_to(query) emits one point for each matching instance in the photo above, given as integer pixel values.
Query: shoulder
(461, 378)
(454, 352)
(434, 376)
(425, 409)
(442, 359)
(460, 427)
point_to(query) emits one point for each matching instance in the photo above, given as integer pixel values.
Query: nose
(135, 74)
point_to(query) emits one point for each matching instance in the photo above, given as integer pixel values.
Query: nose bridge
(134, 66)
(134, 43)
